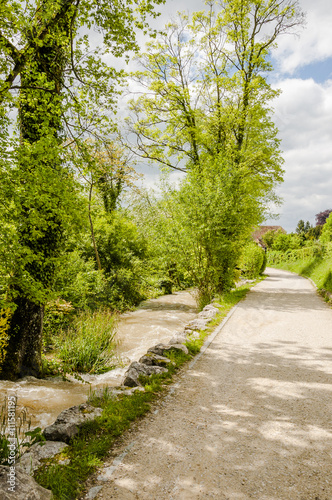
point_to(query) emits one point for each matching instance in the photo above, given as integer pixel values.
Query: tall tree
(204, 88)
(321, 217)
(61, 88)
(205, 104)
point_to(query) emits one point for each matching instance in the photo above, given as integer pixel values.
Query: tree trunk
(39, 200)
(23, 354)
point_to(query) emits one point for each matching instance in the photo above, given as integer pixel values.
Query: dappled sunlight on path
(252, 418)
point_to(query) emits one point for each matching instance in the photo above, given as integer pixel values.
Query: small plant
(88, 345)
(15, 438)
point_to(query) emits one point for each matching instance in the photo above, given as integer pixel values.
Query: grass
(87, 346)
(318, 268)
(87, 451)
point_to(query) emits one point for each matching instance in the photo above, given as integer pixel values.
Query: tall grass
(314, 265)
(88, 345)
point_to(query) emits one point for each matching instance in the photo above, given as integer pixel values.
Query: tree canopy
(55, 73)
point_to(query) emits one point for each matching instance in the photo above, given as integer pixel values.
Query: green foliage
(313, 262)
(326, 235)
(18, 436)
(78, 282)
(88, 345)
(202, 225)
(124, 254)
(252, 260)
(57, 79)
(302, 227)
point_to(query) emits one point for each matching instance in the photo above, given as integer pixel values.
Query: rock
(113, 392)
(32, 459)
(162, 348)
(151, 359)
(178, 339)
(197, 324)
(69, 421)
(22, 486)
(208, 312)
(136, 369)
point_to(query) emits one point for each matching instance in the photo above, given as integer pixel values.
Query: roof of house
(261, 230)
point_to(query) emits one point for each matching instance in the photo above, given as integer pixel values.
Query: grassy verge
(87, 451)
(318, 268)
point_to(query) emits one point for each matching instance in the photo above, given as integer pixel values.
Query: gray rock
(163, 348)
(32, 459)
(197, 324)
(178, 339)
(69, 422)
(23, 486)
(208, 312)
(151, 359)
(136, 369)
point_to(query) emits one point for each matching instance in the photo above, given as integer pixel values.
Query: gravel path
(252, 418)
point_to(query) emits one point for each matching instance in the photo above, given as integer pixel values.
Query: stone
(136, 369)
(162, 348)
(32, 459)
(178, 339)
(151, 359)
(99, 393)
(23, 486)
(68, 423)
(208, 312)
(196, 324)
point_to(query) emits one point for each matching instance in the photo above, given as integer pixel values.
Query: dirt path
(252, 418)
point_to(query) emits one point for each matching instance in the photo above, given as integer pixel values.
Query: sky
(303, 112)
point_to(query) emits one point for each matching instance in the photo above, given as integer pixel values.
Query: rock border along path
(251, 419)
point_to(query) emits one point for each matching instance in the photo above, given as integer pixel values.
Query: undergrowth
(87, 451)
(86, 346)
(317, 267)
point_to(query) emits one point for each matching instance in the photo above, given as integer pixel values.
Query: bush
(78, 282)
(88, 345)
(326, 235)
(123, 254)
(252, 262)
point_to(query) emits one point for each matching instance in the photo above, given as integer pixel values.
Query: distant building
(261, 230)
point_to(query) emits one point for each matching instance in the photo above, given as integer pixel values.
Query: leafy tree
(205, 110)
(314, 233)
(62, 88)
(106, 170)
(303, 227)
(321, 217)
(202, 226)
(204, 91)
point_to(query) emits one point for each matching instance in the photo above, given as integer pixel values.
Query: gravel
(252, 419)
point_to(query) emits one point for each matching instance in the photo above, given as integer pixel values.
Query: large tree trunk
(23, 354)
(39, 200)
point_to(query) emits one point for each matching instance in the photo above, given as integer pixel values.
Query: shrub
(88, 345)
(252, 260)
(326, 235)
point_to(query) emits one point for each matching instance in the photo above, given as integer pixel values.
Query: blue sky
(303, 112)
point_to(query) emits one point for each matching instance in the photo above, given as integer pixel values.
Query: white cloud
(315, 41)
(303, 114)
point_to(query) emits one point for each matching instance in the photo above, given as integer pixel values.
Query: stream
(154, 321)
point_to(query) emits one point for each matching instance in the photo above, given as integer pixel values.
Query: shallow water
(156, 320)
